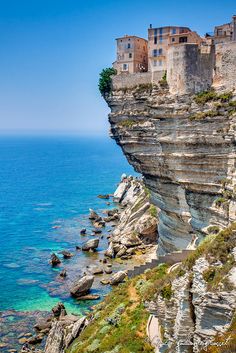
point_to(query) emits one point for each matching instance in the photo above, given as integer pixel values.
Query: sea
(47, 186)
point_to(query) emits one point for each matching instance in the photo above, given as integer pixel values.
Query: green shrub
(166, 292)
(153, 211)
(163, 82)
(206, 96)
(209, 274)
(213, 229)
(105, 80)
(219, 202)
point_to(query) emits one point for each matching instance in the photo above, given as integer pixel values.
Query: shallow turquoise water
(47, 182)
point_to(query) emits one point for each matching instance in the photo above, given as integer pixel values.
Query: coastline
(29, 319)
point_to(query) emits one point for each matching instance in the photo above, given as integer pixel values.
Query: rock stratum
(184, 146)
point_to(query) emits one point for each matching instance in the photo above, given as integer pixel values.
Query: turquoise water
(47, 182)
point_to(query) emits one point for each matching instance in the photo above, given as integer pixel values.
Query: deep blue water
(48, 181)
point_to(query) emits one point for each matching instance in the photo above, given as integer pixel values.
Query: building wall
(225, 66)
(131, 55)
(158, 40)
(135, 79)
(188, 69)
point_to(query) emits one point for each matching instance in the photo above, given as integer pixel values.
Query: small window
(155, 32)
(155, 63)
(183, 39)
(130, 55)
(125, 67)
(173, 39)
(160, 62)
(128, 46)
(155, 40)
(160, 51)
(161, 31)
(155, 52)
(173, 30)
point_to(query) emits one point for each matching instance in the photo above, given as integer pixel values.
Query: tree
(105, 80)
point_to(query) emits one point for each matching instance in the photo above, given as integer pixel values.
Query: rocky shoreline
(132, 238)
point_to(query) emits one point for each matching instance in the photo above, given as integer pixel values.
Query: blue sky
(53, 50)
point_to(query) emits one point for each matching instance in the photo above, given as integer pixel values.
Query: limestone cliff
(184, 146)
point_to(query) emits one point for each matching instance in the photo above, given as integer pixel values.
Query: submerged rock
(82, 286)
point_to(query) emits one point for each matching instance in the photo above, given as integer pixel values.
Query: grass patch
(153, 211)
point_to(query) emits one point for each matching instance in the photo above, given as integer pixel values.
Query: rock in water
(63, 274)
(82, 286)
(118, 277)
(107, 196)
(93, 215)
(83, 231)
(59, 310)
(110, 251)
(55, 260)
(67, 254)
(91, 244)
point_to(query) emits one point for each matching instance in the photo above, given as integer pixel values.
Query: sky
(52, 51)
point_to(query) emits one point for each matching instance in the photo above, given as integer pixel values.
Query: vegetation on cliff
(105, 81)
(119, 323)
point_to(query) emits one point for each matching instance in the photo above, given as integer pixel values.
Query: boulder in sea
(97, 231)
(91, 244)
(97, 270)
(83, 231)
(93, 215)
(82, 286)
(59, 310)
(66, 254)
(106, 196)
(54, 260)
(63, 274)
(108, 270)
(110, 251)
(118, 277)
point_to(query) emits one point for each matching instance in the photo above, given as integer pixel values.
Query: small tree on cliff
(105, 80)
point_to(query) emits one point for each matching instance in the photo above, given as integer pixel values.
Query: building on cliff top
(192, 64)
(162, 38)
(132, 55)
(226, 32)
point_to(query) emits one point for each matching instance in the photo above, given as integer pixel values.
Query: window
(173, 30)
(173, 39)
(161, 31)
(130, 55)
(183, 39)
(161, 39)
(125, 67)
(155, 40)
(155, 63)
(160, 62)
(155, 32)
(155, 52)
(128, 46)
(160, 51)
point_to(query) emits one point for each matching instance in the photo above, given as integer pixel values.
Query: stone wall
(132, 80)
(188, 69)
(225, 66)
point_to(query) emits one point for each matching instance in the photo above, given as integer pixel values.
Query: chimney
(150, 26)
(234, 28)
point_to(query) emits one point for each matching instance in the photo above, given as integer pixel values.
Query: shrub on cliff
(105, 80)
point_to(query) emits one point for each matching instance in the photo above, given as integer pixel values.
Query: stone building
(132, 55)
(226, 32)
(161, 39)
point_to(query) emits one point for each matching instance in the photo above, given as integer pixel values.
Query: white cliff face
(138, 218)
(184, 158)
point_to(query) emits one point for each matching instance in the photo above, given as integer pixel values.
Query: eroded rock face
(183, 160)
(137, 219)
